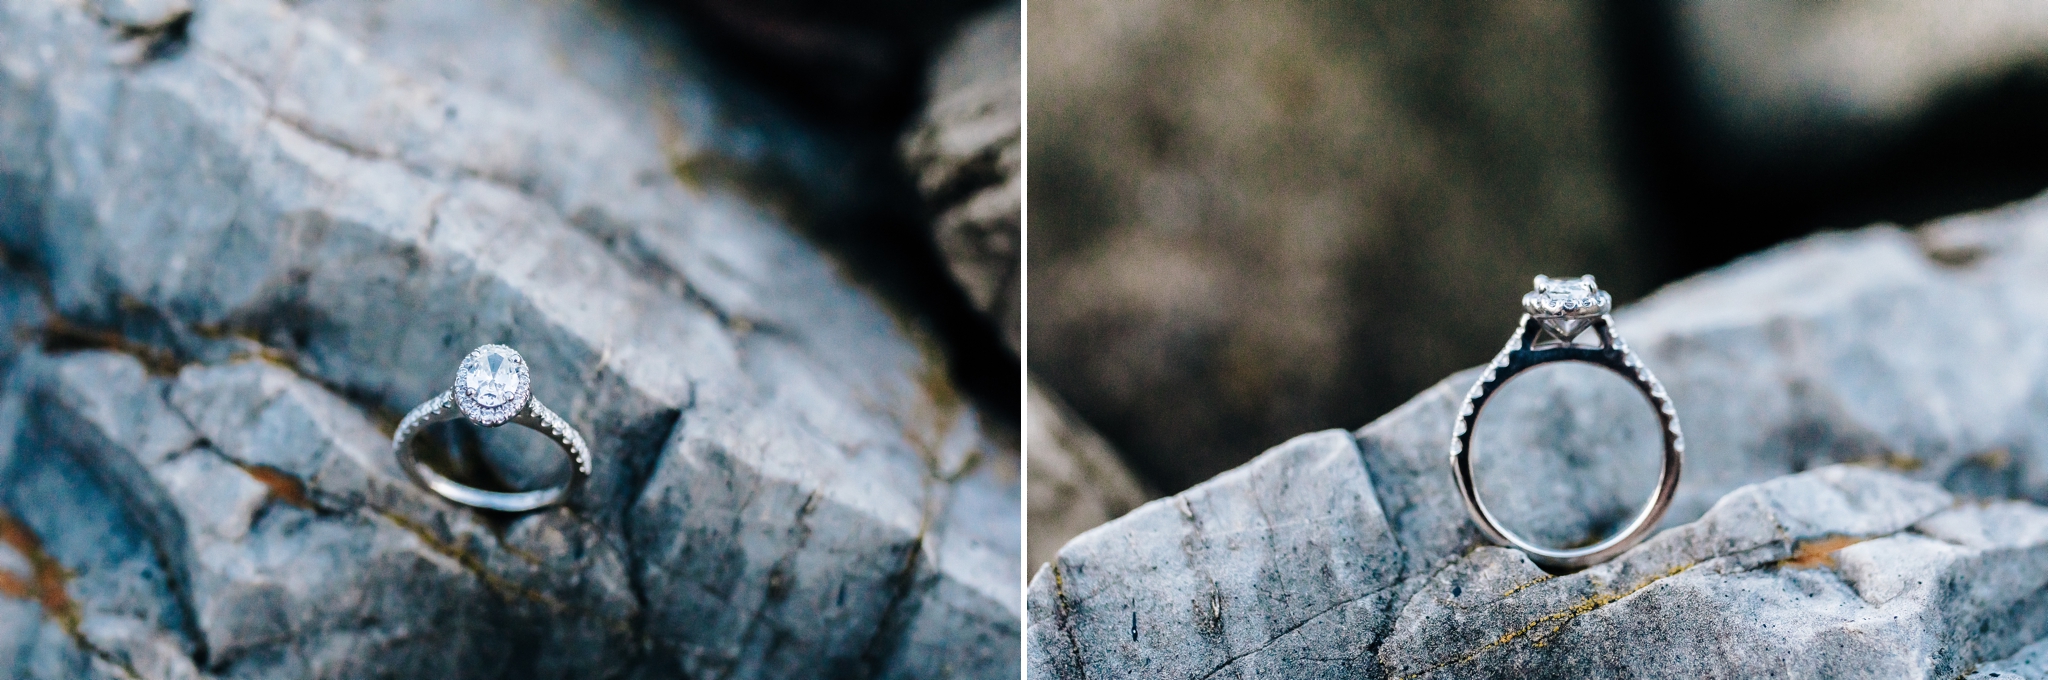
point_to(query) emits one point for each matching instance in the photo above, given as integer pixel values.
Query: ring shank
(534, 416)
(1519, 356)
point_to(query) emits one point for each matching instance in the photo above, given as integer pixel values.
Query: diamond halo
(492, 385)
(1567, 307)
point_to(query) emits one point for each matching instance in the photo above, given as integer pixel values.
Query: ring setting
(493, 386)
(1558, 312)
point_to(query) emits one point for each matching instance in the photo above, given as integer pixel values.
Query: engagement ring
(492, 388)
(1559, 311)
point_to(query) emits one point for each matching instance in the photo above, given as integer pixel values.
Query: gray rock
(1912, 353)
(1838, 572)
(967, 151)
(289, 220)
(1219, 575)
(290, 546)
(1841, 571)
(2031, 663)
(142, 14)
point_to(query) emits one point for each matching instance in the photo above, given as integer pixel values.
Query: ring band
(1560, 310)
(492, 388)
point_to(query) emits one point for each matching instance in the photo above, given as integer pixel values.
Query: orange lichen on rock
(283, 486)
(1818, 553)
(46, 586)
(15, 585)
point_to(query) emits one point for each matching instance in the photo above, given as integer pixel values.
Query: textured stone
(142, 14)
(1914, 354)
(1838, 572)
(2031, 663)
(286, 222)
(291, 546)
(1198, 593)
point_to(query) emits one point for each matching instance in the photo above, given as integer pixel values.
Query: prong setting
(1567, 307)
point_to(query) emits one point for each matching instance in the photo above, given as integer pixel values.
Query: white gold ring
(1559, 310)
(492, 388)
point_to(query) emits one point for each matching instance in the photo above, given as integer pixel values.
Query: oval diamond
(492, 384)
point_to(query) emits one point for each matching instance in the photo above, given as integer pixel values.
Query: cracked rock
(1913, 355)
(285, 542)
(245, 256)
(1838, 572)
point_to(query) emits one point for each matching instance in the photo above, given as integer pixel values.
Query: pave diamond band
(492, 387)
(1559, 312)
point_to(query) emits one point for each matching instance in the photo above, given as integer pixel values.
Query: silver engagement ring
(1559, 311)
(492, 388)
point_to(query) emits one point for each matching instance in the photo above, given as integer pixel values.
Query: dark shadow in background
(856, 71)
(1710, 196)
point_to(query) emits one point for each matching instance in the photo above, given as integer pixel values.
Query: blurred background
(1254, 220)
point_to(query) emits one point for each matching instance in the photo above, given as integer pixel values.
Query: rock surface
(1918, 355)
(142, 14)
(2031, 663)
(246, 241)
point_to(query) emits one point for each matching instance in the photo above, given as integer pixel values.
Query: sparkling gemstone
(492, 385)
(1566, 307)
(495, 382)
